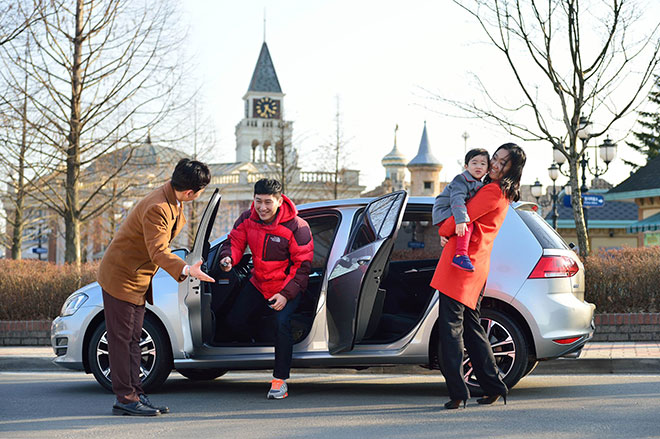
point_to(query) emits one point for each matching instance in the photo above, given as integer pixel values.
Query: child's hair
(475, 152)
(267, 186)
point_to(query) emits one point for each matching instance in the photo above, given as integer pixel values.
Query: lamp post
(537, 190)
(553, 172)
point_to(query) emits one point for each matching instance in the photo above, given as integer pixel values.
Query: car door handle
(363, 260)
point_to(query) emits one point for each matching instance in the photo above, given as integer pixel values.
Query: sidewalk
(596, 358)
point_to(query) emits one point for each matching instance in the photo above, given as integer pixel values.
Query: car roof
(360, 202)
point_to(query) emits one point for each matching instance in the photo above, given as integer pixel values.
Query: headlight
(72, 304)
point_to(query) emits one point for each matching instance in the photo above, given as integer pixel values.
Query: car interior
(218, 298)
(404, 294)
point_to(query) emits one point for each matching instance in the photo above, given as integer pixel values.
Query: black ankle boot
(455, 403)
(491, 399)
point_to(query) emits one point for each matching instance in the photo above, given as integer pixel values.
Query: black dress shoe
(133, 409)
(144, 399)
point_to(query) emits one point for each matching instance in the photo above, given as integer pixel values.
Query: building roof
(394, 157)
(144, 156)
(645, 182)
(649, 224)
(424, 156)
(612, 214)
(264, 77)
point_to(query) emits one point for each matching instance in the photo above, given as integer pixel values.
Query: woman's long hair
(510, 183)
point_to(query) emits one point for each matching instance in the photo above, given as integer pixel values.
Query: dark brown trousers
(123, 321)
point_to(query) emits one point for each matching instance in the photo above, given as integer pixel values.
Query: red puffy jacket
(282, 251)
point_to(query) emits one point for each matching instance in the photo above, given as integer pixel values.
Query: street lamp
(537, 190)
(553, 173)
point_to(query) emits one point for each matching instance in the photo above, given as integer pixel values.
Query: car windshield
(546, 235)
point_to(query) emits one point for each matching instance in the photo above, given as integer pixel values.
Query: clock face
(266, 108)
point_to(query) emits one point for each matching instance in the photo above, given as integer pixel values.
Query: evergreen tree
(647, 140)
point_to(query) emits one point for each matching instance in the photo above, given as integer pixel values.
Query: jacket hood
(286, 212)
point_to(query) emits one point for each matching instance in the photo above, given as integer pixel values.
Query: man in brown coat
(138, 249)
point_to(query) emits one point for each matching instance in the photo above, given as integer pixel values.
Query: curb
(585, 366)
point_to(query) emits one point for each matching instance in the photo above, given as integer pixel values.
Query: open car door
(354, 301)
(190, 289)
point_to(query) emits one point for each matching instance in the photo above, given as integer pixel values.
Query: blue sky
(379, 57)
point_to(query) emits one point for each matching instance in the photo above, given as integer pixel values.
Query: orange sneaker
(278, 389)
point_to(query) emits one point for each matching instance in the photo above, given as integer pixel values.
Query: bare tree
(108, 71)
(585, 57)
(338, 154)
(16, 17)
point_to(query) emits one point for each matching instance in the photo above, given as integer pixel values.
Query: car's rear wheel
(509, 348)
(156, 362)
(202, 374)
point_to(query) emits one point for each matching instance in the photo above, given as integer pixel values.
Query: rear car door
(190, 289)
(353, 285)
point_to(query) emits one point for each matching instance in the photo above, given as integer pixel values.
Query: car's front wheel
(155, 364)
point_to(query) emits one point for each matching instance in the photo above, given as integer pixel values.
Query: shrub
(34, 290)
(625, 280)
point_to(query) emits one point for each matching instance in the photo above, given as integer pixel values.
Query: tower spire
(264, 24)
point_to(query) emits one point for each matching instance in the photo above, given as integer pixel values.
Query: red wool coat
(487, 210)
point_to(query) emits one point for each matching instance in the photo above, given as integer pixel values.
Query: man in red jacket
(282, 251)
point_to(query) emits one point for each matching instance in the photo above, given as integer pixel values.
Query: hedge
(617, 281)
(34, 290)
(623, 281)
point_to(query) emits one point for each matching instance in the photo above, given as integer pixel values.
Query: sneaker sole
(278, 397)
(462, 268)
(120, 412)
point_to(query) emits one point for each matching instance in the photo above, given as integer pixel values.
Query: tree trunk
(72, 215)
(578, 211)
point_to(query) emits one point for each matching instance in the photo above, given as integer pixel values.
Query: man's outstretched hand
(196, 271)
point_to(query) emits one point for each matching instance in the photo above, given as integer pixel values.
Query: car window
(377, 221)
(417, 238)
(324, 228)
(543, 232)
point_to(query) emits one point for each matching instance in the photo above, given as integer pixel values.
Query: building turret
(424, 170)
(395, 166)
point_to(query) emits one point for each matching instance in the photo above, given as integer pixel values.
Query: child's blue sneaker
(463, 262)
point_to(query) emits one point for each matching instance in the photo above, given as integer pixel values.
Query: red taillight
(566, 340)
(554, 266)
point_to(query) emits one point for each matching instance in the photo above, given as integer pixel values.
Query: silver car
(368, 302)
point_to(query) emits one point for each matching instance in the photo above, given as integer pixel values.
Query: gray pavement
(71, 405)
(596, 358)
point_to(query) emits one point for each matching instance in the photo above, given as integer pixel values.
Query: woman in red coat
(461, 291)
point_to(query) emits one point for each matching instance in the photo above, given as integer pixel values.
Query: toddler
(451, 202)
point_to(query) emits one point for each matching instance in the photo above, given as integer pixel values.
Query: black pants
(123, 321)
(251, 302)
(459, 324)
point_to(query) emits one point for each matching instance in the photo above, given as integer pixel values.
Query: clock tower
(263, 134)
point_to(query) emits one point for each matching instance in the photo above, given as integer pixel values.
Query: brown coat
(141, 245)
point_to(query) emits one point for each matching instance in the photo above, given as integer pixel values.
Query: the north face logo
(275, 238)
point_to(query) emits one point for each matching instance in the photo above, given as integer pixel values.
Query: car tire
(509, 348)
(202, 374)
(156, 355)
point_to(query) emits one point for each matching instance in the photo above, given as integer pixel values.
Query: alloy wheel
(148, 360)
(503, 346)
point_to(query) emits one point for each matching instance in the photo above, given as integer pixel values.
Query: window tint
(323, 233)
(417, 237)
(545, 234)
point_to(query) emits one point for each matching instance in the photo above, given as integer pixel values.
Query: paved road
(62, 405)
